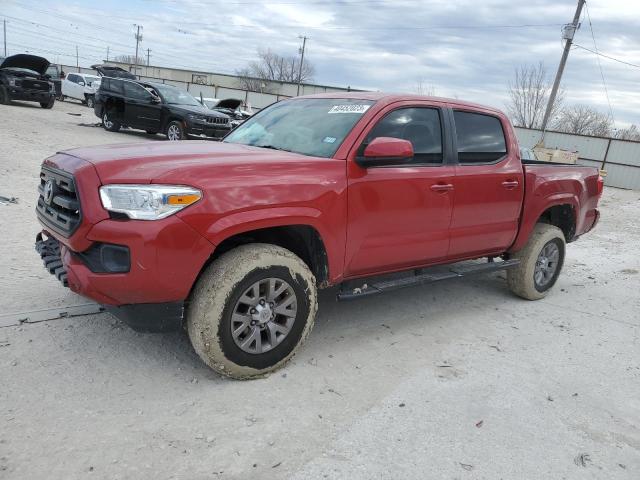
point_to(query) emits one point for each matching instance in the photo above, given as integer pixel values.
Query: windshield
(52, 71)
(310, 126)
(175, 96)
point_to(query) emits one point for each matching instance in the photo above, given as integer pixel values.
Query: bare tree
(583, 120)
(130, 59)
(528, 96)
(273, 67)
(424, 88)
(630, 133)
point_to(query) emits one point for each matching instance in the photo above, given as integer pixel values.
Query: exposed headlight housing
(148, 202)
(14, 82)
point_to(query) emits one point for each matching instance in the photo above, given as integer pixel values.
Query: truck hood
(30, 62)
(186, 162)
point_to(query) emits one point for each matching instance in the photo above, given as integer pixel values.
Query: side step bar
(454, 271)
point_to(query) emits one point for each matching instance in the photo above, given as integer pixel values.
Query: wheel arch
(301, 238)
(558, 210)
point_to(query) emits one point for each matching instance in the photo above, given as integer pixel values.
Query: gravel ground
(457, 380)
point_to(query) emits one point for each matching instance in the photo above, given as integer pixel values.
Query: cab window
(419, 125)
(480, 138)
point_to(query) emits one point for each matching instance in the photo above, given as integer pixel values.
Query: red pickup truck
(232, 239)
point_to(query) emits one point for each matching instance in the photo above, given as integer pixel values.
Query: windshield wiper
(272, 147)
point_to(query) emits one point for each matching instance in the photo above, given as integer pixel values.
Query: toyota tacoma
(231, 240)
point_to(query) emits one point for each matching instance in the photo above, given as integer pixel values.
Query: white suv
(81, 86)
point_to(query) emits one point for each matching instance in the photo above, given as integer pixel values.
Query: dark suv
(23, 77)
(156, 107)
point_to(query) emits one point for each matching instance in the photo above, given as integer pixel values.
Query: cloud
(375, 44)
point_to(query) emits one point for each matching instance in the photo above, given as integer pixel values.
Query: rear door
(399, 214)
(489, 184)
(139, 110)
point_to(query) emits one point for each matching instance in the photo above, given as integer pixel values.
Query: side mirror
(386, 151)
(155, 99)
(81, 83)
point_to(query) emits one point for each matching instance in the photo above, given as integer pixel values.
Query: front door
(139, 110)
(399, 215)
(489, 186)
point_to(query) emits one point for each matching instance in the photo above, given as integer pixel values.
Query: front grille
(35, 84)
(218, 120)
(58, 204)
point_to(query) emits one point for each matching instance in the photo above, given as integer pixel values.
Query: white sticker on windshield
(351, 108)
(329, 139)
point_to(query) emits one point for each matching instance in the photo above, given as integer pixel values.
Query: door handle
(510, 184)
(441, 187)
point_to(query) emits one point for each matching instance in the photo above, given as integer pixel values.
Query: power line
(604, 83)
(606, 56)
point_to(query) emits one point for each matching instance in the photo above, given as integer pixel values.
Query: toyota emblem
(48, 192)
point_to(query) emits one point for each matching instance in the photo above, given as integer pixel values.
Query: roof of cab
(388, 98)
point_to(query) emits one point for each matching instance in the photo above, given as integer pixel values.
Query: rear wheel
(541, 261)
(251, 310)
(175, 131)
(109, 123)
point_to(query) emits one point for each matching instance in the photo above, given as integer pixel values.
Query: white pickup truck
(80, 86)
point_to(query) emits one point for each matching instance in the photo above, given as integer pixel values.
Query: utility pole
(148, 55)
(138, 40)
(304, 44)
(77, 62)
(107, 54)
(568, 32)
(4, 24)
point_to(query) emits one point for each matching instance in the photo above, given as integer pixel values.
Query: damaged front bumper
(141, 317)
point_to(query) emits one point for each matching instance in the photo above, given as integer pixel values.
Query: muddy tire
(541, 261)
(251, 310)
(89, 102)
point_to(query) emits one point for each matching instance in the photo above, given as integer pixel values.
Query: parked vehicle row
(119, 99)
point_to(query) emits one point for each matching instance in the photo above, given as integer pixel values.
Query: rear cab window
(480, 138)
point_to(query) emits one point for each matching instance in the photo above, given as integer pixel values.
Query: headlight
(197, 118)
(14, 82)
(148, 202)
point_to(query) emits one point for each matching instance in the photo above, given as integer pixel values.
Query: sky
(456, 48)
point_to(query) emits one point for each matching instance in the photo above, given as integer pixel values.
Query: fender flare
(529, 220)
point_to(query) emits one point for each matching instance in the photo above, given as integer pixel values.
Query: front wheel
(48, 104)
(175, 131)
(251, 310)
(541, 261)
(90, 101)
(5, 99)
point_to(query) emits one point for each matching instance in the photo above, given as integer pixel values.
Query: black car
(156, 107)
(23, 77)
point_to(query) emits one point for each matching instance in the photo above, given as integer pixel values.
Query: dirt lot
(454, 380)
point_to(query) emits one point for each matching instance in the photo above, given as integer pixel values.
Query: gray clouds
(376, 44)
